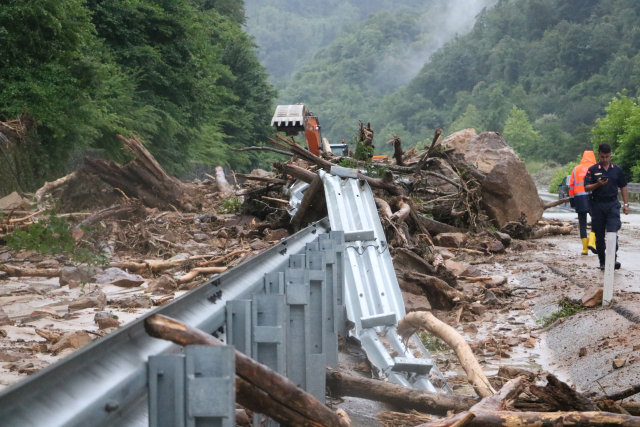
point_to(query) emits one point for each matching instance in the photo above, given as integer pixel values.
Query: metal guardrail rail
(105, 383)
(633, 188)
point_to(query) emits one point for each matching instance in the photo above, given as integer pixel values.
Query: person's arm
(625, 200)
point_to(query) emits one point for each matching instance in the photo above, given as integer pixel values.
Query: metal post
(328, 247)
(316, 359)
(166, 390)
(298, 289)
(609, 266)
(239, 325)
(211, 386)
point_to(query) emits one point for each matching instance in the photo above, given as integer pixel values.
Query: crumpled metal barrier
(373, 297)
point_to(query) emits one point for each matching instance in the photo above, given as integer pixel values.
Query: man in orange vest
(579, 199)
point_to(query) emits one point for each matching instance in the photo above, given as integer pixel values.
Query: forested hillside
(180, 74)
(541, 71)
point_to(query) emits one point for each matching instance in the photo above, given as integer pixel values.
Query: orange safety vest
(576, 182)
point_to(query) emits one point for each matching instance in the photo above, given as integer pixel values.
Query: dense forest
(541, 72)
(180, 74)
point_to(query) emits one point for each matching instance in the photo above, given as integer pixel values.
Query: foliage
(363, 152)
(621, 128)
(431, 342)
(470, 119)
(519, 133)
(562, 173)
(346, 163)
(230, 206)
(52, 236)
(567, 308)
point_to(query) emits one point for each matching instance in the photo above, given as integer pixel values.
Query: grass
(567, 308)
(534, 166)
(431, 342)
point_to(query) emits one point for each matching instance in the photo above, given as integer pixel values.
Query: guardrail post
(610, 258)
(239, 325)
(316, 359)
(328, 247)
(298, 296)
(341, 312)
(196, 389)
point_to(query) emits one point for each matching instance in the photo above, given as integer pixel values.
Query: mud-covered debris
(450, 240)
(96, 298)
(74, 340)
(78, 274)
(117, 277)
(593, 297)
(133, 302)
(162, 285)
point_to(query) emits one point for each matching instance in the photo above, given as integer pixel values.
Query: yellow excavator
(293, 119)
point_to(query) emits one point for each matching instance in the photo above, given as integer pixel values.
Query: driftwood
(144, 179)
(623, 394)
(561, 397)
(397, 150)
(130, 210)
(436, 227)
(200, 270)
(404, 209)
(400, 419)
(556, 203)
(550, 229)
(277, 387)
(546, 419)
(422, 162)
(50, 186)
(383, 207)
(295, 171)
(262, 179)
(30, 272)
(313, 198)
(275, 150)
(341, 383)
(225, 189)
(425, 320)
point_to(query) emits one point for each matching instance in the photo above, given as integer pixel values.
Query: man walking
(603, 180)
(580, 199)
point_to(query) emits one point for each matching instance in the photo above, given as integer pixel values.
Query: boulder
(483, 151)
(108, 322)
(478, 308)
(450, 240)
(508, 193)
(48, 311)
(592, 297)
(495, 247)
(94, 299)
(162, 285)
(10, 356)
(490, 298)
(258, 245)
(138, 301)
(414, 302)
(102, 315)
(505, 239)
(117, 277)
(446, 253)
(4, 318)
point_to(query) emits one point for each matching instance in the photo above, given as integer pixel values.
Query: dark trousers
(605, 217)
(582, 221)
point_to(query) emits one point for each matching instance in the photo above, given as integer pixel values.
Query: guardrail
(105, 383)
(633, 188)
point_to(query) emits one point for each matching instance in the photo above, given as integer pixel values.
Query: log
(223, 258)
(129, 210)
(383, 207)
(397, 150)
(441, 296)
(436, 227)
(274, 150)
(550, 229)
(457, 160)
(342, 383)
(562, 397)
(556, 203)
(498, 402)
(294, 171)
(225, 189)
(404, 209)
(607, 405)
(313, 195)
(30, 272)
(262, 179)
(144, 179)
(50, 186)
(623, 394)
(425, 320)
(275, 385)
(547, 419)
(423, 160)
(400, 419)
(200, 270)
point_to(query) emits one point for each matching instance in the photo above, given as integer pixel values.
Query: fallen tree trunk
(226, 190)
(50, 186)
(130, 210)
(383, 207)
(560, 396)
(441, 296)
(30, 272)
(550, 229)
(404, 209)
(262, 179)
(268, 381)
(436, 227)
(144, 179)
(313, 197)
(425, 320)
(546, 419)
(294, 171)
(556, 203)
(342, 383)
(200, 270)
(623, 394)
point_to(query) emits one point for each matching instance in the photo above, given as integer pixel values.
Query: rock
(117, 277)
(134, 302)
(450, 240)
(78, 274)
(478, 308)
(496, 247)
(13, 201)
(73, 340)
(415, 302)
(530, 343)
(45, 310)
(508, 192)
(512, 372)
(490, 298)
(258, 245)
(456, 268)
(200, 237)
(470, 328)
(504, 238)
(592, 297)
(582, 352)
(4, 318)
(10, 356)
(483, 151)
(445, 253)
(102, 315)
(108, 322)
(73, 284)
(162, 285)
(619, 363)
(523, 246)
(278, 234)
(240, 221)
(522, 305)
(94, 299)
(495, 281)
(48, 263)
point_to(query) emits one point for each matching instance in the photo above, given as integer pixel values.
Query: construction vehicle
(293, 119)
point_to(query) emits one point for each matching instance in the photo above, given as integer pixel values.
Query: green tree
(519, 133)
(470, 119)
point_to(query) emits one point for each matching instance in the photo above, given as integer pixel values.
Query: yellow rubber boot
(592, 242)
(585, 246)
